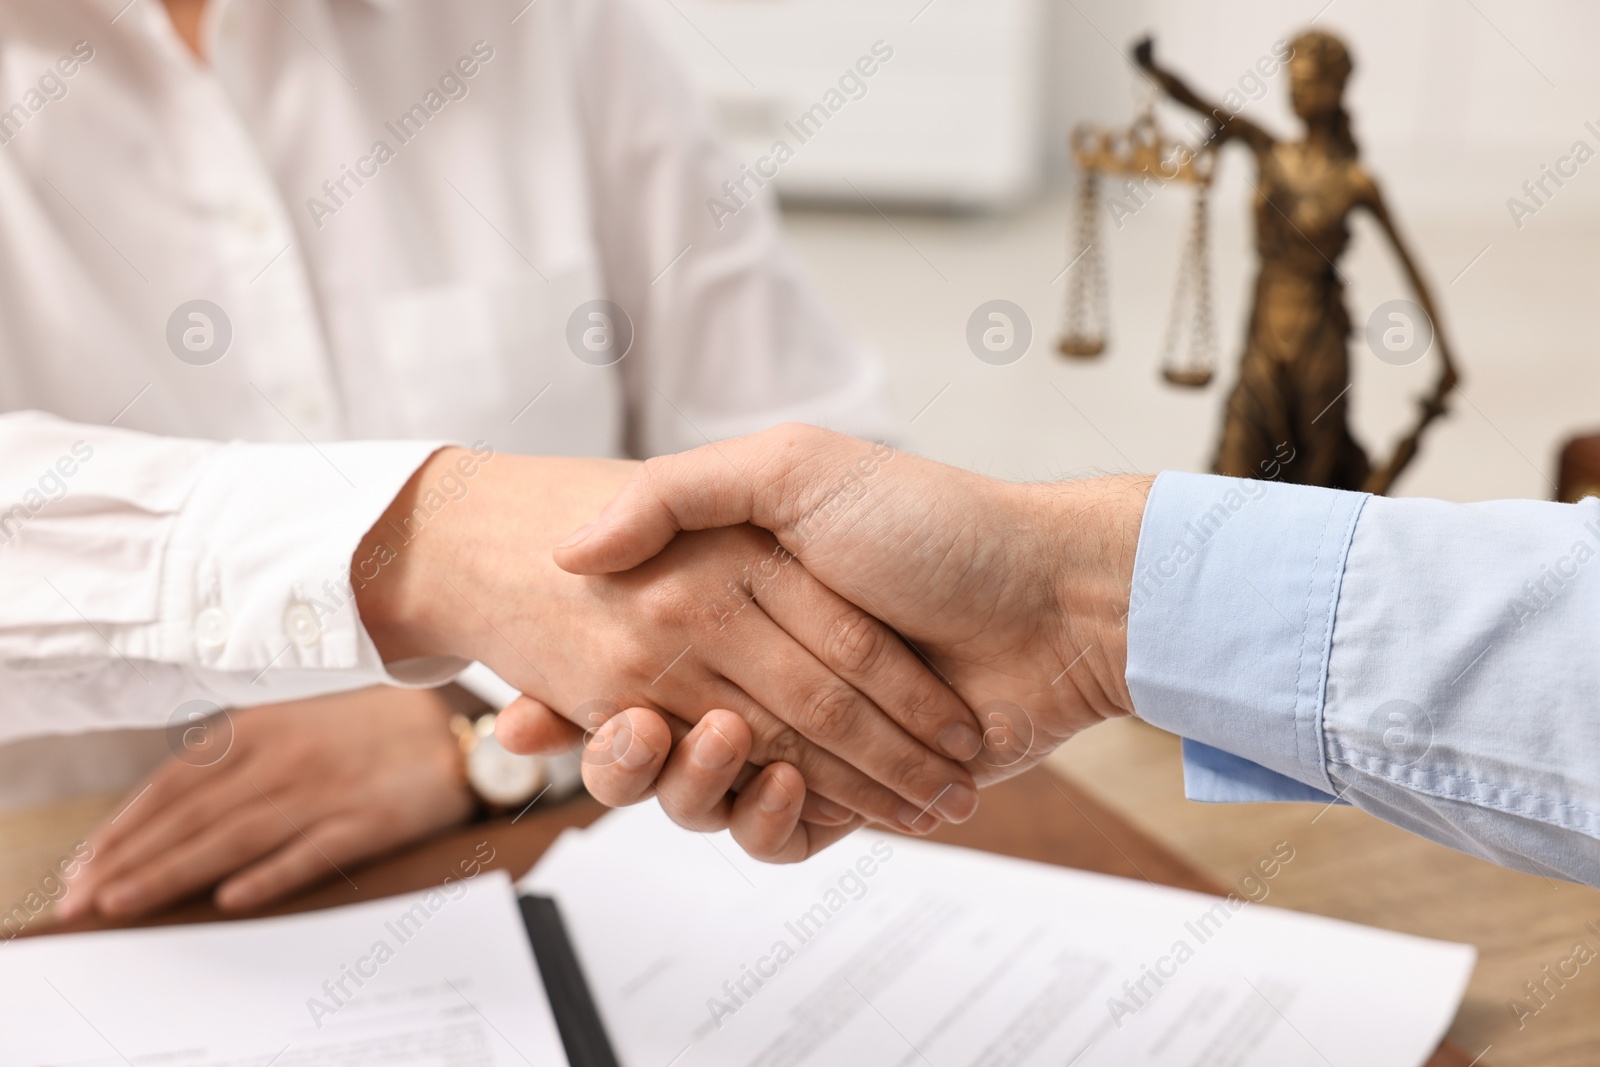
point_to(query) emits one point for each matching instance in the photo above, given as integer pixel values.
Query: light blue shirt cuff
(1212, 776)
(1230, 626)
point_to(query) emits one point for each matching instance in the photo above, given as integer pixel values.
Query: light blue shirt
(1435, 664)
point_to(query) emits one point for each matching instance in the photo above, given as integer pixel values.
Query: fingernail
(70, 907)
(774, 797)
(578, 535)
(958, 803)
(712, 750)
(633, 753)
(961, 741)
(916, 819)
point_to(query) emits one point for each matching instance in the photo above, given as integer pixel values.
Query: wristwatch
(503, 781)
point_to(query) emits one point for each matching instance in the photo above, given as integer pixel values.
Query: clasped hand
(787, 635)
(1016, 596)
(723, 630)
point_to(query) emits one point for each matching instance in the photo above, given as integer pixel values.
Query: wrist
(470, 537)
(398, 582)
(1089, 536)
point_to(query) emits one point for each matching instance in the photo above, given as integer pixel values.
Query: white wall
(944, 112)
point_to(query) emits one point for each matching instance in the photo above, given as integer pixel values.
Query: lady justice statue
(1294, 378)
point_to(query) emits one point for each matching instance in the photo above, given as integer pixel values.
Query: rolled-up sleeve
(1435, 664)
(140, 572)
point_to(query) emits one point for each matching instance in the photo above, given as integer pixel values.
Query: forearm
(1226, 121)
(1181, 93)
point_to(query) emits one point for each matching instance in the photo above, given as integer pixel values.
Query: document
(888, 952)
(443, 978)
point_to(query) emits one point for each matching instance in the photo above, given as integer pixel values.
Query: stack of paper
(443, 978)
(887, 952)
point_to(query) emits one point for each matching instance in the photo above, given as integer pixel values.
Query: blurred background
(949, 184)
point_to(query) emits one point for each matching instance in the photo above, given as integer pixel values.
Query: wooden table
(1039, 816)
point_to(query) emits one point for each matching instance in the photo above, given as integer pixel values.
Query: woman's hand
(693, 773)
(722, 619)
(303, 791)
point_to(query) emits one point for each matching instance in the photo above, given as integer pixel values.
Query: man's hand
(720, 619)
(1017, 594)
(303, 790)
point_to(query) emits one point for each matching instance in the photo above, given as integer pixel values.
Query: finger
(693, 786)
(766, 820)
(171, 782)
(869, 655)
(624, 756)
(194, 804)
(122, 841)
(82, 883)
(303, 860)
(529, 727)
(795, 467)
(610, 778)
(196, 863)
(822, 811)
(782, 676)
(824, 773)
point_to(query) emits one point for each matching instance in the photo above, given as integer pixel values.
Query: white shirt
(536, 157)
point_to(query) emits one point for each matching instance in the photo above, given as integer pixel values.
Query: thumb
(746, 479)
(633, 527)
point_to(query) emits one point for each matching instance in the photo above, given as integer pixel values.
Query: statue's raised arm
(1225, 124)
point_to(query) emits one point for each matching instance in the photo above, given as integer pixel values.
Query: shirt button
(300, 622)
(211, 628)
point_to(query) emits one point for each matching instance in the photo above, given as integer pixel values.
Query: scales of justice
(1287, 416)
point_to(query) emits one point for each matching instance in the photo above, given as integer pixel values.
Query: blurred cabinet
(951, 117)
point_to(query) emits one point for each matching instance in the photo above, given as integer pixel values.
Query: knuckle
(652, 478)
(923, 707)
(783, 746)
(855, 643)
(831, 714)
(909, 773)
(663, 604)
(651, 468)
(826, 777)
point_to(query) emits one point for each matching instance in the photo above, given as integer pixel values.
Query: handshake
(785, 634)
